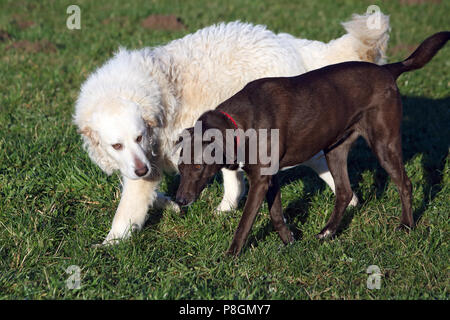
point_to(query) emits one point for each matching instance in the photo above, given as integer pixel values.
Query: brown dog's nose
(140, 172)
(182, 201)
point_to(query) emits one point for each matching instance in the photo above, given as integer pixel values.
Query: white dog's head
(117, 137)
(120, 111)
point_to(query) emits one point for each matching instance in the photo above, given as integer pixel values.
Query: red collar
(234, 122)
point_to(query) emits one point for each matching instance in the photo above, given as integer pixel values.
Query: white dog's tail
(372, 33)
(366, 40)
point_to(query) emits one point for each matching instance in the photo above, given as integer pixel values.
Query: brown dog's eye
(139, 139)
(198, 166)
(117, 146)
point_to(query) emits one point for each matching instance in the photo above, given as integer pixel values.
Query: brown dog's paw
(291, 238)
(286, 236)
(404, 227)
(326, 233)
(231, 255)
(233, 251)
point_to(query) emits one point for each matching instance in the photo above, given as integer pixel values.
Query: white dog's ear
(152, 119)
(152, 123)
(91, 143)
(90, 134)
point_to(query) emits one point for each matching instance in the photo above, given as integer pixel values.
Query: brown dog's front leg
(257, 191)
(276, 214)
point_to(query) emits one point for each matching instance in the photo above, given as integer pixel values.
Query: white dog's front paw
(107, 242)
(172, 205)
(115, 236)
(354, 202)
(163, 202)
(225, 206)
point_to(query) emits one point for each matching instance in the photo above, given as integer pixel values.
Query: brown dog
(325, 109)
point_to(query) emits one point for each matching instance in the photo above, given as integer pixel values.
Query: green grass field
(55, 203)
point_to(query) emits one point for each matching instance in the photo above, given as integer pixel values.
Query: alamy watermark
(211, 147)
(74, 280)
(374, 278)
(74, 20)
(374, 20)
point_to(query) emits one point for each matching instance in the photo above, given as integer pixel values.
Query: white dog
(132, 109)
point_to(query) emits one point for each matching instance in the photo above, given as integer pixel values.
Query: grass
(55, 203)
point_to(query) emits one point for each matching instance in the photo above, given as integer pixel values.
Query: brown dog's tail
(421, 56)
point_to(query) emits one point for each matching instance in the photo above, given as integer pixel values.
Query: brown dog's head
(194, 178)
(202, 156)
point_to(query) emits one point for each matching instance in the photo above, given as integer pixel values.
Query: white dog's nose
(140, 172)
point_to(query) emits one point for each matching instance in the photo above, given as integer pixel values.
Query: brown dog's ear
(177, 144)
(190, 131)
(182, 138)
(184, 134)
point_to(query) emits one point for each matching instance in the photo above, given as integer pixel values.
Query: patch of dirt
(412, 2)
(4, 36)
(21, 22)
(163, 22)
(33, 47)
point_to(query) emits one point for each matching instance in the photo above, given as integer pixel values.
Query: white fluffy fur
(165, 89)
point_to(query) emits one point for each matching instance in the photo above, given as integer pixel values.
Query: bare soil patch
(4, 36)
(163, 22)
(22, 22)
(33, 47)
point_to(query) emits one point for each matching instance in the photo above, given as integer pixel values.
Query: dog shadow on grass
(425, 132)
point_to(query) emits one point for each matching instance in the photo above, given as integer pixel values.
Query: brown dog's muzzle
(186, 194)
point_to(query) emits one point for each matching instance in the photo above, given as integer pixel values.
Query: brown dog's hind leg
(387, 146)
(393, 164)
(273, 197)
(337, 162)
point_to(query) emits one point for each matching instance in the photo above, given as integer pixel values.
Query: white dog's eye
(117, 146)
(139, 139)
